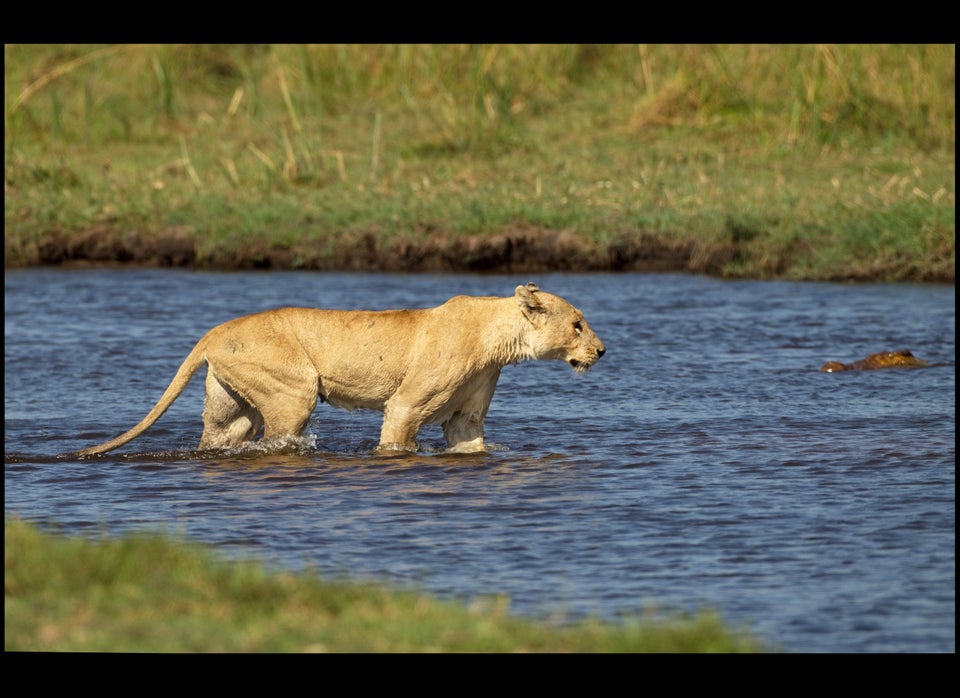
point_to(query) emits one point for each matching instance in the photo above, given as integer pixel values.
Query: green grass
(149, 593)
(798, 161)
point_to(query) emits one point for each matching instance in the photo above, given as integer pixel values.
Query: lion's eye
(577, 326)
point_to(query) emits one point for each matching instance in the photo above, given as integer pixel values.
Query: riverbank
(525, 250)
(800, 162)
(520, 250)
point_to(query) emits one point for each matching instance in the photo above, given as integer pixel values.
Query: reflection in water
(705, 462)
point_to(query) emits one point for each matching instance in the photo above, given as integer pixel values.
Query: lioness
(426, 366)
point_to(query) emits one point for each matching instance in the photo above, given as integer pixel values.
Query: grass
(798, 161)
(147, 593)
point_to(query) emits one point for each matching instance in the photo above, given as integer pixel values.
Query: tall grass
(600, 139)
(802, 94)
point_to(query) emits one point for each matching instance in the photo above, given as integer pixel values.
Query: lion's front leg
(401, 424)
(464, 432)
(464, 428)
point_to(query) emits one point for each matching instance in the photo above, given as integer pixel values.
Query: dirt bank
(526, 250)
(508, 251)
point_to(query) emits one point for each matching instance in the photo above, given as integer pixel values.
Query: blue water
(704, 462)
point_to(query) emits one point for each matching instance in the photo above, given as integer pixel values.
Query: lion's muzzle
(580, 365)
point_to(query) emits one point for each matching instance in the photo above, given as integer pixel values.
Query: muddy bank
(526, 250)
(509, 251)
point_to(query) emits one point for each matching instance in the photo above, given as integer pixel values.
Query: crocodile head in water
(884, 359)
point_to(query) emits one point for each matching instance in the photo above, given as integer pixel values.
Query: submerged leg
(400, 427)
(228, 419)
(464, 432)
(464, 429)
(278, 398)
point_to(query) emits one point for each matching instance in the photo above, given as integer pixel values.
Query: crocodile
(884, 359)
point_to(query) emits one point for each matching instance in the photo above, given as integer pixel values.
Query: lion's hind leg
(228, 419)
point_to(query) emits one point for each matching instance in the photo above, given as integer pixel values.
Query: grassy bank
(152, 594)
(799, 161)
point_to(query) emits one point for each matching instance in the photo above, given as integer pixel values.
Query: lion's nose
(601, 352)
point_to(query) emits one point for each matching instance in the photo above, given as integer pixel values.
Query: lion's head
(559, 331)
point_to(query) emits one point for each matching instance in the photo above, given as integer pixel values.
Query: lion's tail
(195, 359)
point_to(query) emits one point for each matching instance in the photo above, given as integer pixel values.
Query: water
(704, 462)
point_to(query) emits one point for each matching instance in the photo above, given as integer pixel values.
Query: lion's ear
(529, 304)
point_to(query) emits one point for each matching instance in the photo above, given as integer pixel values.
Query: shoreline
(528, 250)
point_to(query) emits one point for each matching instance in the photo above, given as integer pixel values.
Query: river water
(703, 463)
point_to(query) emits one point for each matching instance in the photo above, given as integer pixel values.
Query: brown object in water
(885, 359)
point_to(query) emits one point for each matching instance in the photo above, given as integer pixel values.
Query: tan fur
(427, 366)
